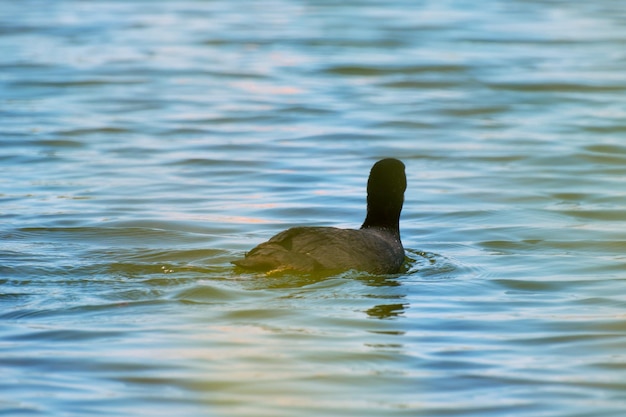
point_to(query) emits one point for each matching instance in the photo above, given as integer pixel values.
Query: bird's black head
(385, 195)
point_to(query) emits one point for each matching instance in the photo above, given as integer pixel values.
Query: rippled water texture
(146, 144)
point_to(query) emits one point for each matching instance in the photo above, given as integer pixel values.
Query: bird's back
(309, 249)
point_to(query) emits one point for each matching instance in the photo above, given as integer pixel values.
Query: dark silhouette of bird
(375, 247)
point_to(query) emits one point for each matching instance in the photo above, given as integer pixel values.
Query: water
(144, 145)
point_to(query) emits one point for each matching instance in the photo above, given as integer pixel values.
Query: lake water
(145, 145)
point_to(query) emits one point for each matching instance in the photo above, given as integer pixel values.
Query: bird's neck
(385, 218)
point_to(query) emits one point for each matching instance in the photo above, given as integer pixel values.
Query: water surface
(144, 145)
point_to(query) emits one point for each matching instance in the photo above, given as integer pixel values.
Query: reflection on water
(386, 311)
(145, 146)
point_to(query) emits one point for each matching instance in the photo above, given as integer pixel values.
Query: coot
(375, 247)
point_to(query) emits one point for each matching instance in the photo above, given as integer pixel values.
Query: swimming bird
(375, 247)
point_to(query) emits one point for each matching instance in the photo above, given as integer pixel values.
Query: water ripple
(147, 147)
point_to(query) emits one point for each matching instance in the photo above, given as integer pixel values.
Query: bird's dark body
(310, 249)
(375, 247)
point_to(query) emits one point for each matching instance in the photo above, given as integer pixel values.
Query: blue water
(145, 145)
